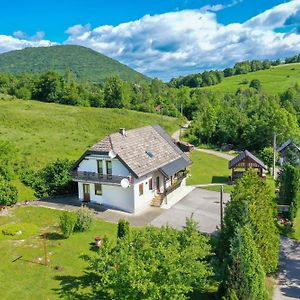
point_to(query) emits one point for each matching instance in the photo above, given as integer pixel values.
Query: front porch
(170, 185)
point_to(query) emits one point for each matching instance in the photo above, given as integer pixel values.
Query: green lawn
(27, 278)
(207, 168)
(275, 80)
(43, 132)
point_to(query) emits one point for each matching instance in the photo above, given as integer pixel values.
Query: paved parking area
(202, 205)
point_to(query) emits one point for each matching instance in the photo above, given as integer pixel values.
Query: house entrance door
(86, 193)
(157, 184)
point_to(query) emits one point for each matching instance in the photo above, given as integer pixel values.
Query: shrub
(84, 219)
(67, 223)
(8, 192)
(54, 179)
(256, 84)
(123, 228)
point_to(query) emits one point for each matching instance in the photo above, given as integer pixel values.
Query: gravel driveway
(203, 205)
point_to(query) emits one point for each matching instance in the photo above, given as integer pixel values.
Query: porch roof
(173, 167)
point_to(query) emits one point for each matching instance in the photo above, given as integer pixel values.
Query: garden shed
(243, 162)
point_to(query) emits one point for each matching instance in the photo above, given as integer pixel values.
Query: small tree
(256, 84)
(123, 228)
(8, 192)
(67, 223)
(54, 179)
(266, 156)
(85, 217)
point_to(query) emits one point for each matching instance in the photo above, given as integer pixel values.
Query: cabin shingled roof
(286, 144)
(245, 154)
(133, 149)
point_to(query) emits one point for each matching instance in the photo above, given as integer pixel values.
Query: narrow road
(176, 134)
(216, 153)
(289, 271)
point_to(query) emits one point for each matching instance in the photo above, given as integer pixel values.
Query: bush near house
(8, 192)
(54, 179)
(67, 223)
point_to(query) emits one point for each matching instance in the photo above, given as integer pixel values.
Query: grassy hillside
(275, 80)
(86, 64)
(43, 132)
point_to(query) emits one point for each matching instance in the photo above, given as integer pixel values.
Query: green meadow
(275, 80)
(22, 271)
(43, 132)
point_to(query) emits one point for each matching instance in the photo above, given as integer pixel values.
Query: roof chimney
(122, 131)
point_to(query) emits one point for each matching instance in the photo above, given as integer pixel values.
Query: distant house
(243, 162)
(130, 169)
(284, 148)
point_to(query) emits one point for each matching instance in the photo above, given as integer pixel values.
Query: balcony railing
(97, 178)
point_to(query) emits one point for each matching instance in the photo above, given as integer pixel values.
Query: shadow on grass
(219, 179)
(74, 287)
(54, 236)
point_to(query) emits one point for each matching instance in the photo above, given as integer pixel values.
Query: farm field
(275, 80)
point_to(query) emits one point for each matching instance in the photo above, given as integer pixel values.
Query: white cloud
(182, 42)
(9, 43)
(188, 41)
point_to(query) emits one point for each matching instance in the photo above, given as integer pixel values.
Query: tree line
(113, 92)
(209, 78)
(246, 120)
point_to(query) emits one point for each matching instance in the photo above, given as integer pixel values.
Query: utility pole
(221, 205)
(274, 154)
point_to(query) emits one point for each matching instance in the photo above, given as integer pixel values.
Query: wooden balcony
(97, 178)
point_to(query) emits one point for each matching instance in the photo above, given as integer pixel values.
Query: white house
(130, 169)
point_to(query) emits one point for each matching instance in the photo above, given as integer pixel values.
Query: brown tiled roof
(142, 150)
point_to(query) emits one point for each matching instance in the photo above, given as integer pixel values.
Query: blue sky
(163, 38)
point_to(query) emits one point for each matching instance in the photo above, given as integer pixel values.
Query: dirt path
(216, 153)
(176, 134)
(289, 271)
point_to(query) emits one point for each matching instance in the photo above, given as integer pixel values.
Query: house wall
(90, 165)
(115, 196)
(112, 196)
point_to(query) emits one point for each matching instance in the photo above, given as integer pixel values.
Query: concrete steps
(157, 201)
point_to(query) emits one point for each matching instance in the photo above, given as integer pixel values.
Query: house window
(100, 167)
(150, 184)
(109, 168)
(141, 189)
(98, 189)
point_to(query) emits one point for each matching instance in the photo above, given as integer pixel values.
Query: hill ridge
(85, 63)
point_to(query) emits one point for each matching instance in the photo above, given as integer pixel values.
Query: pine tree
(246, 274)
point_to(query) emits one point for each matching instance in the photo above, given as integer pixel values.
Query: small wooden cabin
(243, 162)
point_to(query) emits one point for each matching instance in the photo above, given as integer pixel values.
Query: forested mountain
(84, 63)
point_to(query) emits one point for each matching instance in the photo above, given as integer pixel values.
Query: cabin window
(98, 189)
(141, 189)
(109, 168)
(100, 167)
(150, 184)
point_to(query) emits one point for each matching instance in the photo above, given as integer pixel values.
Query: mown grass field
(275, 80)
(43, 132)
(208, 168)
(27, 277)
